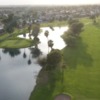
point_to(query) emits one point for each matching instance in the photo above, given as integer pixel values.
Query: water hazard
(19, 68)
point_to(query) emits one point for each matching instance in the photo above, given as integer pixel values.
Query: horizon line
(50, 4)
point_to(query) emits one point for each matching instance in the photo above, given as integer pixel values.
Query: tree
(76, 28)
(54, 58)
(50, 44)
(46, 33)
(10, 23)
(35, 33)
(70, 36)
(71, 21)
(24, 23)
(29, 30)
(70, 40)
(24, 35)
(36, 30)
(93, 17)
(51, 28)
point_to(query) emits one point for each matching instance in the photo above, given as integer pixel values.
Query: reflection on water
(12, 52)
(18, 67)
(35, 52)
(24, 54)
(17, 79)
(54, 35)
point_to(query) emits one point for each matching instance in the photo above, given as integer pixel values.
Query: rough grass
(81, 78)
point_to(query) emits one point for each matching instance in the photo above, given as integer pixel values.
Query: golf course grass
(16, 43)
(12, 41)
(81, 75)
(80, 78)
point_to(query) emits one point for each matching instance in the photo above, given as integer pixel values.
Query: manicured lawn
(17, 43)
(82, 73)
(12, 41)
(82, 76)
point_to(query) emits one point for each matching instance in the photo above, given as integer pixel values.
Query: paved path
(62, 97)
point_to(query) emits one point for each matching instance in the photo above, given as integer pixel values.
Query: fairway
(82, 73)
(16, 43)
(81, 79)
(12, 41)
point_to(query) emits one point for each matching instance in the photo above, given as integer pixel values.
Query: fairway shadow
(45, 86)
(77, 55)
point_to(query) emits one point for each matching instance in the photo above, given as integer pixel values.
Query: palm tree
(24, 35)
(47, 34)
(50, 44)
(29, 29)
(51, 28)
(36, 30)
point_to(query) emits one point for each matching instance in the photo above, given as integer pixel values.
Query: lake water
(19, 68)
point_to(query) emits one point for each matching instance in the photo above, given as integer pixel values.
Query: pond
(19, 67)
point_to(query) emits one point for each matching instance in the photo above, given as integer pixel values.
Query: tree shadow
(61, 80)
(77, 55)
(45, 86)
(97, 25)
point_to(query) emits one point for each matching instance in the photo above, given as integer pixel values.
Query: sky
(48, 2)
